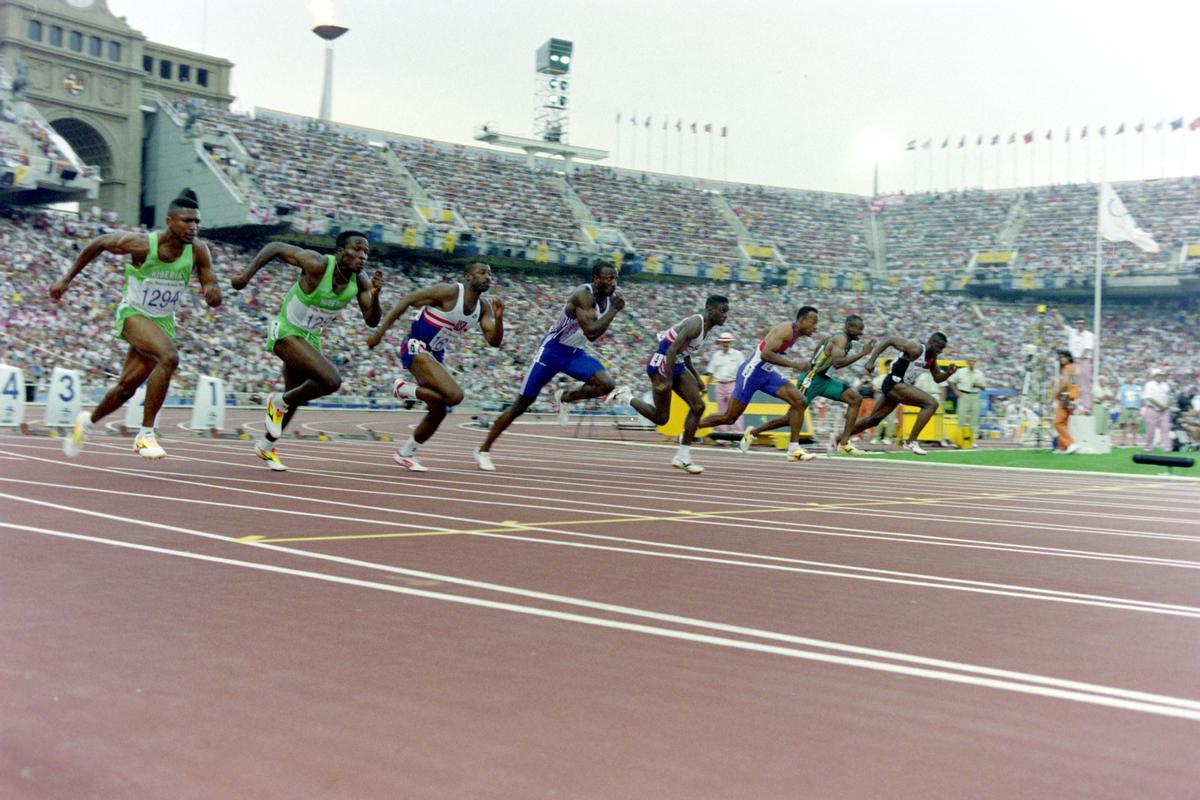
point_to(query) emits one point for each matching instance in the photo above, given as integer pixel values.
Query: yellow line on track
(683, 514)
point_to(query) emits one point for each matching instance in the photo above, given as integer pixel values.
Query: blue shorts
(410, 348)
(655, 366)
(760, 379)
(553, 358)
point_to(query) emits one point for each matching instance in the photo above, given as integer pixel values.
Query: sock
(279, 404)
(409, 448)
(684, 452)
(264, 443)
(144, 432)
(87, 425)
(793, 447)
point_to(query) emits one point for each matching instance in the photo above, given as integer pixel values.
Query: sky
(814, 93)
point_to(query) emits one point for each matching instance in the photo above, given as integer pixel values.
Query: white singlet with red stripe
(433, 326)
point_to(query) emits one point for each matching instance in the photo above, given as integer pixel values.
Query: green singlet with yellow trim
(155, 289)
(816, 383)
(306, 315)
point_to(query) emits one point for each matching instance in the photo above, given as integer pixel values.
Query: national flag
(1194, 124)
(694, 127)
(1028, 137)
(1049, 135)
(1120, 129)
(664, 123)
(1103, 131)
(679, 125)
(962, 142)
(928, 143)
(1158, 126)
(996, 139)
(633, 119)
(647, 123)
(1012, 138)
(1140, 127)
(1176, 124)
(724, 131)
(1083, 133)
(945, 142)
(618, 117)
(708, 127)
(979, 141)
(912, 145)
(1067, 134)
(1118, 225)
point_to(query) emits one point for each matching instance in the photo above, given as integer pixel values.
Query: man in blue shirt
(1130, 398)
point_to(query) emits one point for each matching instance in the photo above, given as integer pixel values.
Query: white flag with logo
(1117, 224)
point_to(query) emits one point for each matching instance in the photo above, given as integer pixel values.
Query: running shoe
(851, 450)
(271, 457)
(621, 396)
(832, 445)
(916, 449)
(686, 466)
(484, 460)
(275, 413)
(1072, 448)
(403, 390)
(73, 443)
(801, 455)
(564, 410)
(745, 442)
(409, 463)
(147, 447)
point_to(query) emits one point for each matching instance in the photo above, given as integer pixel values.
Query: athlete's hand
(374, 339)
(870, 368)
(376, 282)
(212, 295)
(869, 345)
(950, 370)
(618, 301)
(497, 306)
(58, 289)
(239, 281)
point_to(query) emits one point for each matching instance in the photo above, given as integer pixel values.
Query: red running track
(586, 623)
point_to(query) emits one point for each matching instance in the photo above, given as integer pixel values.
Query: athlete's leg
(660, 412)
(853, 400)
(688, 388)
(731, 414)
(152, 343)
(878, 414)
(789, 394)
(135, 371)
(501, 423)
(437, 389)
(320, 377)
(600, 384)
(910, 395)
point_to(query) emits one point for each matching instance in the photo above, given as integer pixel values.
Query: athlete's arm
(122, 244)
(491, 320)
(910, 349)
(845, 359)
(310, 262)
(940, 374)
(776, 338)
(687, 363)
(688, 331)
(208, 282)
(368, 297)
(438, 294)
(593, 327)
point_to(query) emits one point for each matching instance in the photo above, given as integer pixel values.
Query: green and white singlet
(306, 315)
(155, 289)
(817, 383)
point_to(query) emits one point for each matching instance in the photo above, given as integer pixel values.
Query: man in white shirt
(968, 383)
(1156, 410)
(723, 365)
(1080, 344)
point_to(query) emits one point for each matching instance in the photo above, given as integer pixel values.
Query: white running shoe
(147, 447)
(73, 442)
(1073, 448)
(275, 413)
(686, 466)
(484, 460)
(915, 449)
(745, 442)
(801, 455)
(564, 410)
(271, 457)
(403, 390)
(409, 463)
(851, 450)
(832, 446)
(622, 396)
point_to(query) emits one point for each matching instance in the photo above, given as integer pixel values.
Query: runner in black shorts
(898, 385)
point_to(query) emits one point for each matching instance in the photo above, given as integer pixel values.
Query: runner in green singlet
(831, 354)
(327, 284)
(155, 286)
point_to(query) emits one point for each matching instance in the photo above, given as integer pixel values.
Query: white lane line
(1046, 686)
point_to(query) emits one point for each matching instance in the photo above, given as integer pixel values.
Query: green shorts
(822, 386)
(281, 329)
(125, 312)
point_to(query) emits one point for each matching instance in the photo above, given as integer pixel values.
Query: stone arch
(88, 143)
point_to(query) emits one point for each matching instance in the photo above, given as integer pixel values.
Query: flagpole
(1096, 298)
(617, 151)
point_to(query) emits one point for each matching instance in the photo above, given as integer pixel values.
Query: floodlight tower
(551, 83)
(328, 33)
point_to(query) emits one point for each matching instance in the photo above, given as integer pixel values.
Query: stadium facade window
(75, 41)
(114, 51)
(202, 76)
(35, 30)
(185, 73)
(164, 69)
(94, 46)
(147, 64)
(56, 33)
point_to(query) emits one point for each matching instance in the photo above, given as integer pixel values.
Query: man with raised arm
(156, 282)
(326, 285)
(586, 316)
(446, 308)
